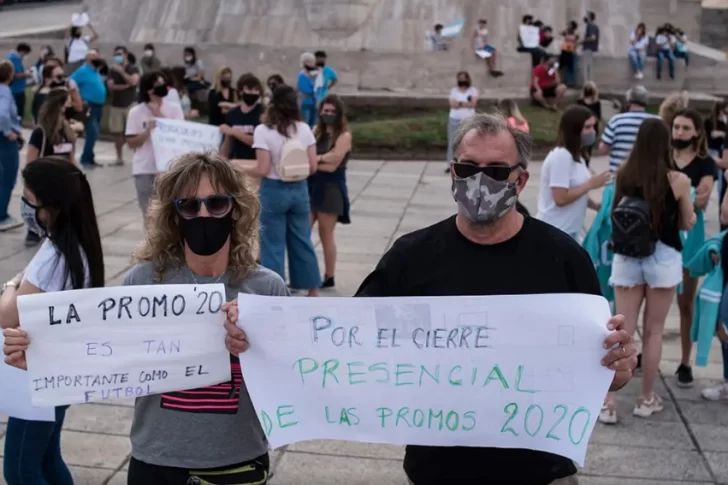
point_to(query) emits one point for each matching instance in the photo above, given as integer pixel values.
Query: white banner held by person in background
(123, 342)
(530, 36)
(453, 29)
(172, 138)
(15, 394)
(491, 371)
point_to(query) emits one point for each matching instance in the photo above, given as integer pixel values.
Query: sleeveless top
(669, 232)
(322, 147)
(481, 38)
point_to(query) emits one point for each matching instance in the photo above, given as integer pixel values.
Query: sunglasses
(496, 172)
(216, 205)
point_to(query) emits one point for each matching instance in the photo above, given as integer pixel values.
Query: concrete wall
(714, 28)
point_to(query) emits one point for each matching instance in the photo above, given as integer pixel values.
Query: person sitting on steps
(479, 41)
(546, 86)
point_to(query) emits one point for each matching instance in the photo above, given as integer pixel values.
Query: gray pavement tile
(718, 463)
(344, 448)
(308, 469)
(628, 461)
(94, 450)
(645, 433)
(711, 437)
(704, 412)
(118, 479)
(590, 480)
(81, 475)
(95, 418)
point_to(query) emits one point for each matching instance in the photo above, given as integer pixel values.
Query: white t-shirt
(78, 48)
(47, 270)
(641, 44)
(559, 170)
(136, 124)
(662, 41)
(269, 139)
(460, 96)
(173, 96)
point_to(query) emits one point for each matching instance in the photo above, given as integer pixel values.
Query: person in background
(621, 131)
(149, 60)
(241, 121)
(327, 185)
(672, 105)
(222, 97)
(11, 140)
(680, 50)
(716, 126)
(53, 136)
(78, 113)
(536, 52)
(563, 195)
(45, 53)
(285, 206)
(21, 76)
(93, 91)
(53, 78)
(305, 86)
(589, 46)
(690, 152)
(174, 85)
(437, 41)
(639, 41)
(510, 111)
(590, 99)
(479, 42)
(463, 100)
(178, 74)
(139, 126)
(57, 203)
(273, 81)
(546, 86)
(649, 174)
(122, 82)
(567, 58)
(77, 47)
(326, 78)
(665, 47)
(194, 77)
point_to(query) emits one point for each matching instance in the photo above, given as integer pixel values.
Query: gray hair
(307, 56)
(494, 124)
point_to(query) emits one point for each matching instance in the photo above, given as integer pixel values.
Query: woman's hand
(236, 341)
(599, 180)
(16, 343)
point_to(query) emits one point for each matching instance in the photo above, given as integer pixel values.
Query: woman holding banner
(139, 125)
(56, 203)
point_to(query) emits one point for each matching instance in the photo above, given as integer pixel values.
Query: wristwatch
(9, 284)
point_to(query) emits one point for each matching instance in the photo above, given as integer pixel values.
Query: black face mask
(160, 90)
(97, 63)
(250, 99)
(463, 84)
(206, 235)
(69, 113)
(58, 84)
(321, 64)
(682, 144)
(225, 84)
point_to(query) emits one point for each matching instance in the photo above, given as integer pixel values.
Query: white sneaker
(717, 392)
(607, 416)
(640, 75)
(645, 409)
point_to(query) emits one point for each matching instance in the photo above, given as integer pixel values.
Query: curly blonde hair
(672, 105)
(163, 245)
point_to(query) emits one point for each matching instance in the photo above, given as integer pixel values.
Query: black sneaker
(684, 376)
(328, 282)
(31, 239)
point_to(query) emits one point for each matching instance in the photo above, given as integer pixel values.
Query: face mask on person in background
(58, 83)
(312, 69)
(148, 53)
(681, 144)
(588, 139)
(119, 59)
(588, 93)
(69, 113)
(160, 90)
(328, 118)
(250, 99)
(463, 83)
(206, 235)
(272, 87)
(44, 52)
(97, 63)
(320, 62)
(29, 213)
(225, 83)
(483, 200)
(189, 59)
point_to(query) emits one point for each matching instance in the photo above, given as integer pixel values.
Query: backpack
(294, 165)
(632, 231)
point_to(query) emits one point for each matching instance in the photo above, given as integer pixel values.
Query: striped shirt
(620, 134)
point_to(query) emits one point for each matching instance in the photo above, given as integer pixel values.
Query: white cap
(80, 19)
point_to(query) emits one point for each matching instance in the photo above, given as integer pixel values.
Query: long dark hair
(282, 112)
(646, 170)
(62, 190)
(716, 112)
(700, 144)
(570, 128)
(51, 117)
(340, 125)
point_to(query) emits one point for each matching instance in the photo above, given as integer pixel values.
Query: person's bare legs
(686, 304)
(326, 226)
(119, 145)
(538, 97)
(560, 91)
(657, 306)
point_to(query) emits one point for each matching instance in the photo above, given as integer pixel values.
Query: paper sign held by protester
(123, 342)
(491, 371)
(172, 138)
(530, 36)
(15, 394)
(483, 54)
(453, 29)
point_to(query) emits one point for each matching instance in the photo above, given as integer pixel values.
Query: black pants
(20, 103)
(140, 473)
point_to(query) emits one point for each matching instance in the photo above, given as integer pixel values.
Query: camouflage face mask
(483, 200)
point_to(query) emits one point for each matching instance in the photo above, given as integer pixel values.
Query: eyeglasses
(499, 172)
(216, 205)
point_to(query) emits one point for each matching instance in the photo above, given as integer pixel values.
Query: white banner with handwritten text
(172, 138)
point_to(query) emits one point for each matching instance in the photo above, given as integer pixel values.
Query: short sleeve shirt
(125, 97)
(699, 168)
(271, 140)
(245, 123)
(39, 141)
(544, 78)
(561, 171)
(136, 124)
(47, 270)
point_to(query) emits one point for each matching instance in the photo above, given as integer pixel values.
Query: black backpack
(632, 232)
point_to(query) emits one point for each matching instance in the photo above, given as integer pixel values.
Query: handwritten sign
(15, 394)
(123, 342)
(530, 36)
(491, 371)
(172, 138)
(453, 29)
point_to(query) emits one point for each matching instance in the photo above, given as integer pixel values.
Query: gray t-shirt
(125, 97)
(592, 30)
(164, 435)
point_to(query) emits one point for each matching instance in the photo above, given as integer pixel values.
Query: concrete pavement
(685, 444)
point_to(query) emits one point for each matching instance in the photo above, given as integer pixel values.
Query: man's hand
(16, 343)
(622, 358)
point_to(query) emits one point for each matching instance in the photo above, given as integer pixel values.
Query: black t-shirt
(717, 143)
(63, 149)
(440, 261)
(699, 168)
(214, 112)
(246, 123)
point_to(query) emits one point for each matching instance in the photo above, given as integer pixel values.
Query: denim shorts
(663, 269)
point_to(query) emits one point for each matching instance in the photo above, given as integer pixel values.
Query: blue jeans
(33, 452)
(93, 129)
(637, 60)
(663, 54)
(308, 113)
(683, 55)
(285, 225)
(9, 162)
